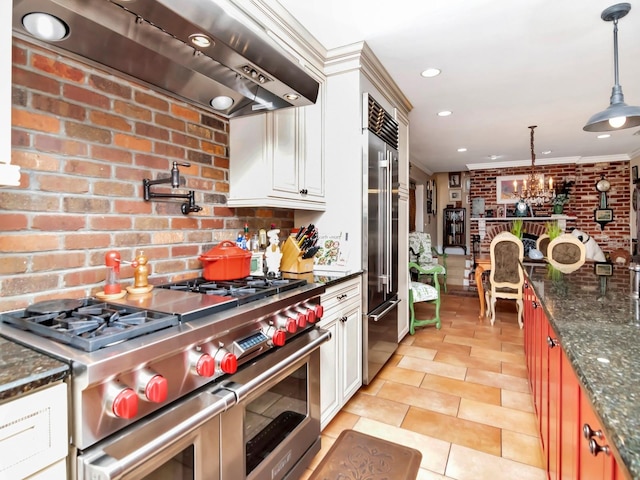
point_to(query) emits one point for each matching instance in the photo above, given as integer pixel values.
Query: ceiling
(505, 66)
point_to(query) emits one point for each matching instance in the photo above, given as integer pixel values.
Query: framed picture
(603, 268)
(603, 215)
(506, 187)
(634, 173)
(454, 180)
(455, 195)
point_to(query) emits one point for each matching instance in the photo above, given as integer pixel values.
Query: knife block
(292, 261)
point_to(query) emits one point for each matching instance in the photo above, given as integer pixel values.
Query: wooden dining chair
(424, 292)
(543, 243)
(426, 255)
(506, 278)
(566, 253)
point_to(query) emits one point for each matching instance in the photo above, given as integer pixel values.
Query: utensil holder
(292, 261)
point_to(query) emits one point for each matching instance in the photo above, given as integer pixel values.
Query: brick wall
(584, 199)
(85, 140)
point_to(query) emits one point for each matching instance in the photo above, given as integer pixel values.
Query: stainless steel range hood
(150, 41)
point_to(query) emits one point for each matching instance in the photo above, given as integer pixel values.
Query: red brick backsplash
(85, 139)
(584, 199)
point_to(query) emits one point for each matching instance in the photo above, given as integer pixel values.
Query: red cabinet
(561, 406)
(595, 459)
(554, 398)
(569, 424)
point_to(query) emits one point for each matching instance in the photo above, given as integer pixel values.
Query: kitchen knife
(311, 252)
(300, 232)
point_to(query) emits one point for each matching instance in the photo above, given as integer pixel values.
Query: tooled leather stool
(357, 455)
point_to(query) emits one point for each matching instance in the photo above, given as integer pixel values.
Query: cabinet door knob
(534, 304)
(304, 191)
(342, 296)
(552, 342)
(595, 448)
(588, 432)
(343, 319)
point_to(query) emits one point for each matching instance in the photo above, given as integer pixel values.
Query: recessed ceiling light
(291, 96)
(462, 149)
(200, 40)
(604, 135)
(221, 102)
(494, 157)
(444, 113)
(45, 26)
(431, 72)
(547, 152)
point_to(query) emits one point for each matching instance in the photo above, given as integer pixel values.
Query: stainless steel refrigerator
(380, 215)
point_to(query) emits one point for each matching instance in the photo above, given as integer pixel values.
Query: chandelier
(533, 190)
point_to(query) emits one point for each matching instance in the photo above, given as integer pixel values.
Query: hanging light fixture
(618, 115)
(533, 190)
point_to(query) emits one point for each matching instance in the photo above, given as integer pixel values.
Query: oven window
(179, 467)
(271, 417)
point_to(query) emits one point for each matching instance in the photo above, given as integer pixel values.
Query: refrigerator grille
(381, 123)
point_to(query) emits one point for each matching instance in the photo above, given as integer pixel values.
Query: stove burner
(245, 290)
(92, 325)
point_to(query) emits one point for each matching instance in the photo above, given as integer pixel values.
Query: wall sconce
(603, 214)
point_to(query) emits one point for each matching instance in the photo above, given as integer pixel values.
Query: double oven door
(278, 415)
(261, 423)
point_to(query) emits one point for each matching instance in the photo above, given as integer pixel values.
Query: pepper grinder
(112, 281)
(140, 275)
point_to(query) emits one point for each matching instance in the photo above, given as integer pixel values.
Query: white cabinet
(276, 159)
(341, 357)
(33, 435)
(9, 174)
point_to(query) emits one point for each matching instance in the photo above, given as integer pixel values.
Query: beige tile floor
(459, 395)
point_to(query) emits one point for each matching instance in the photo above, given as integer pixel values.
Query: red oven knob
(301, 320)
(156, 389)
(289, 324)
(279, 338)
(227, 361)
(311, 315)
(205, 365)
(315, 313)
(125, 404)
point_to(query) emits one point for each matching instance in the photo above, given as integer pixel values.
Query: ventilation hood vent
(150, 40)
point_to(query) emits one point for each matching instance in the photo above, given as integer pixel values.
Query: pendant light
(618, 115)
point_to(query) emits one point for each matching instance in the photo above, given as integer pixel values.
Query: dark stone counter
(327, 279)
(598, 325)
(23, 370)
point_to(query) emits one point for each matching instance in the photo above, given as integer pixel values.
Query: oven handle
(96, 463)
(313, 338)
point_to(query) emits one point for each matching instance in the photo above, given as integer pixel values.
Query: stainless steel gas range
(191, 380)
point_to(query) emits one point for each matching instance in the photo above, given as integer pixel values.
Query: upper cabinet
(9, 174)
(277, 158)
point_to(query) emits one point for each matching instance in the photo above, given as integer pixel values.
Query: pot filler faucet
(174, 180)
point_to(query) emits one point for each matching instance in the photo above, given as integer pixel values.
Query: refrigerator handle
(391, 306)
(389, 228)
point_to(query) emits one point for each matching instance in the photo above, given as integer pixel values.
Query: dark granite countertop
(23, 370)
(326, 278)
(598, 324)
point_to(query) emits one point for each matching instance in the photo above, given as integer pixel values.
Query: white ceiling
(505, 65)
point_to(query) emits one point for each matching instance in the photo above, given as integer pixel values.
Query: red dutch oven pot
(226, 261)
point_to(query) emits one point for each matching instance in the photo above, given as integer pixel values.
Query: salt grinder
(112, 282)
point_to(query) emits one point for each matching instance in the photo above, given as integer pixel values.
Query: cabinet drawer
(341, 295)
(33, 432)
